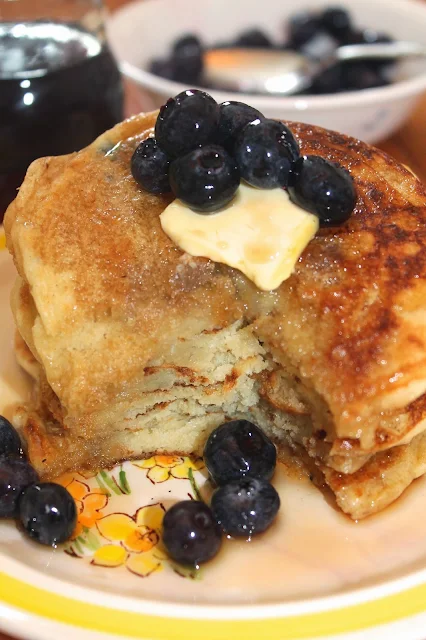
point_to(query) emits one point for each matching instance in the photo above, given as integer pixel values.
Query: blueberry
(206, 179)
(265, 151)
(380, 65)
(323, 188)
(337, 22)
(369, 36)
(163, 68)
(150, 167)
(353, 36)
(234, 116)
(245, 507)
(15, 475)
(187, 56)
(329, 81)
(301, 28)
(48, 513)
(190, 533)
(366, 36)
(254, 38)
(186, 122)
(363, 75)
(237, 449)
(10, 442)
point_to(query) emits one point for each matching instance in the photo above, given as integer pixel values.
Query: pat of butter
(261, 233)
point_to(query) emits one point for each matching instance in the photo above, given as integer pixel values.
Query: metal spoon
(270, 71)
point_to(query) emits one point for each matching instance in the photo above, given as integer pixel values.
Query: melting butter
(261, 233)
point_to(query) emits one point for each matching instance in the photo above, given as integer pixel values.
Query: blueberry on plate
(186, 122)
(245, 507)
(48, 513)
(254, 38)
(337, 22)
(150, 167)
(187, 56)
(265, 151)
(15, 475)
(190, 533)
(206, 179)
(323, 188)
(238, 449)
(10, 442)
(234, 116)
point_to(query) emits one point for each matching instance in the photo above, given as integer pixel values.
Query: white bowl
(145, 29)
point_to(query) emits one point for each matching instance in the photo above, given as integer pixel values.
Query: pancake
(140, 348)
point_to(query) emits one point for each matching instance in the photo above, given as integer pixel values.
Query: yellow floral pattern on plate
(138, 537)
(89, 505)
(162, 468)
(109, 532)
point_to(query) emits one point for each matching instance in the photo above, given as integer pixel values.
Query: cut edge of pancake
(378, 483)
(255, 387)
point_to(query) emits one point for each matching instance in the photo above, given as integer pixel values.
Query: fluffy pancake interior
(178, 419)
(137, 348)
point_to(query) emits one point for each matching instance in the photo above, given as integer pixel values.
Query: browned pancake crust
(354, 308)
(349, 323)
(89, 217)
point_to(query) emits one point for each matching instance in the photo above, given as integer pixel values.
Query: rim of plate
(157, 621)
(96, 611)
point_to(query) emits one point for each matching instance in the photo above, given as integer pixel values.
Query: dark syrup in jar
(60, 88)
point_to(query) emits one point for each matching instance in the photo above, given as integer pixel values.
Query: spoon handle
(389, 51)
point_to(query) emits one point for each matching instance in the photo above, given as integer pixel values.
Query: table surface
(407, 145)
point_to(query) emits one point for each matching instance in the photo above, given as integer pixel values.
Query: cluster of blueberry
(241, 460)
(313, 34)
(45, 510)
(202, 150)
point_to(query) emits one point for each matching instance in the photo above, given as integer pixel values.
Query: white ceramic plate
(145, 29)
(314, 574)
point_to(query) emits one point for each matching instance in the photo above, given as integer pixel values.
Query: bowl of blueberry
(164, 45)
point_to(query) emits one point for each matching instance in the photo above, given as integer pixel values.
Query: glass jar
(60, 86)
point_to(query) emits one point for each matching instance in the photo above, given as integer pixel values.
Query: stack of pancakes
(138, 348)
